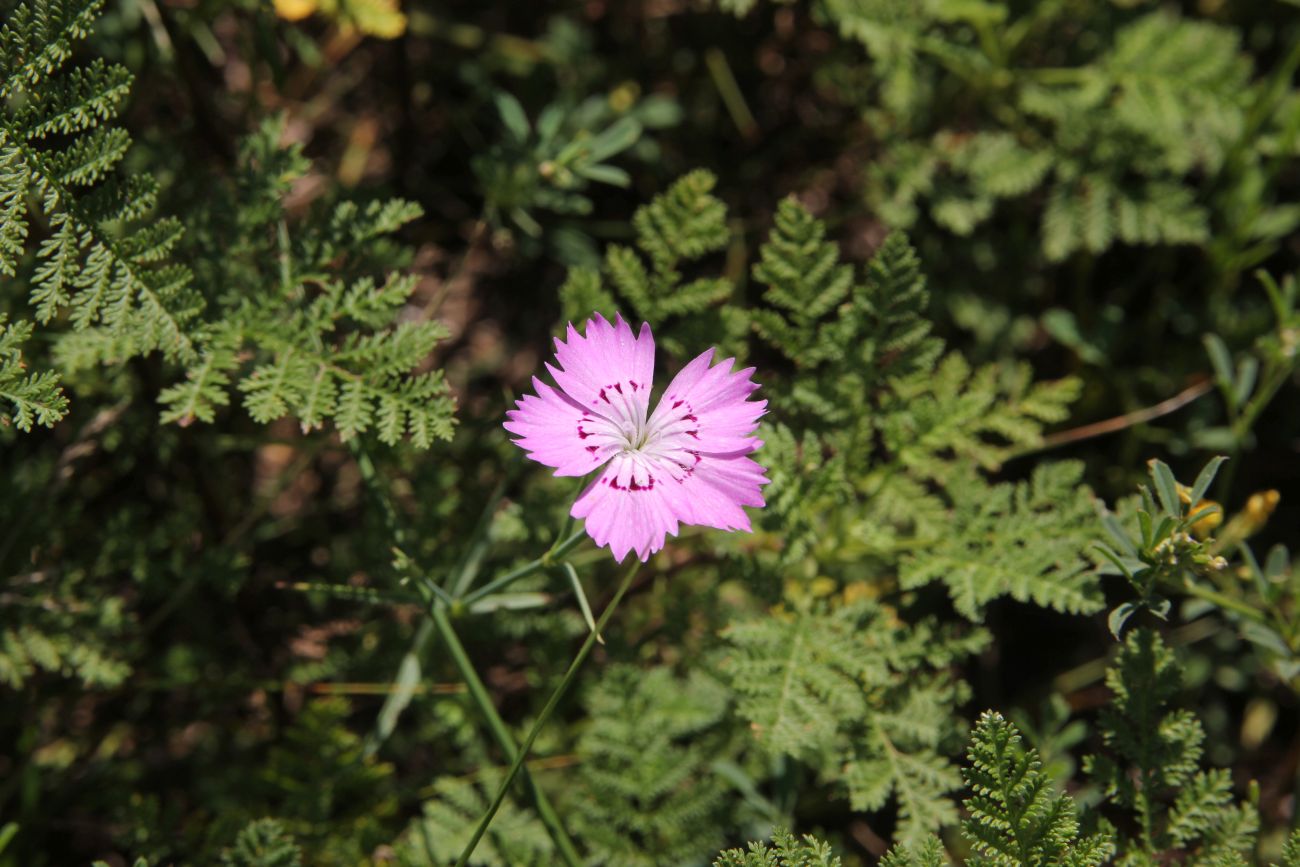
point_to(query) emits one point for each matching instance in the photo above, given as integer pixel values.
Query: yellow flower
(294, 10)
(379, 18)
(1208, 524)
(1258, 509)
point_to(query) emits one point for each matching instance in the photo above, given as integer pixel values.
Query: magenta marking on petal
(632, 382)
(618, 387)
(678, 403)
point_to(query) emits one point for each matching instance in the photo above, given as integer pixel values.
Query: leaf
(860, 696)
(1203, 481)
(1221, 360)
(1166, 487)
(102, 261)
(1150, 764)
(1119, 616)
(1015, 816)
(30, 398)
(798, 678)
(1026, 540)
(615, 138)
(263, 843)
(581, 596)
(512, 115)
(404, 685)
(786, 851)
(645, 782)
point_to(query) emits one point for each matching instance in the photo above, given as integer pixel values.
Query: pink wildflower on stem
(685, 463)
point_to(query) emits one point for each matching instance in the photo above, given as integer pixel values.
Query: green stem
(558, 550)
(551, 704)
(1224, 601)
(478, 692)
(732, 96)
(438, 612)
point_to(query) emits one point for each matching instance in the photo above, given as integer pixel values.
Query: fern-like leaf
(118, 280)
(1152, 759)
(263, 843)
(806, 281)
(1016, 819)
(1026, 540)
(786, 850)
(31, 398)
(646, 795)
(927, 854)
(862, 697)
(516, 838)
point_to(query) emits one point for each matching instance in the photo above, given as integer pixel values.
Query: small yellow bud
(1249, 521)
(294, 10)
(624, 97)
(1258, 509)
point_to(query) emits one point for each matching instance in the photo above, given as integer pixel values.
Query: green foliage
(952, 416)
(859, 696)
(305, 302)
(263, 843)
(440, 834)
(1024, 539)
(680, 226)
(878, 332)
(646, 794)
(32, 398)
(1168, 541)
(806, 281)
(874, 365)
(322, 787)
(1151, 765)
(1291, 852)
(927, 854)
(787, 851)
(808, 481)
(201, 614)
(101, 261)
(549, 165)
(309, 328)
(908, 427)
(799, 677)
(63, 634)
(1118, 148)
(1015, 816)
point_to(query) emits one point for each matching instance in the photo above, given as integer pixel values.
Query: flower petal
(559, 433)
(707, 408)
(608, 370)
(627, 508)
(715, 490)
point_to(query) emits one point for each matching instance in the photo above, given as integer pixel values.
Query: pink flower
(685, 463)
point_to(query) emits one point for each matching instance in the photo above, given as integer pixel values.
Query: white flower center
(641, 450)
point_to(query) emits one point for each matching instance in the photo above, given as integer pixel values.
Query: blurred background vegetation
(201, 621)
